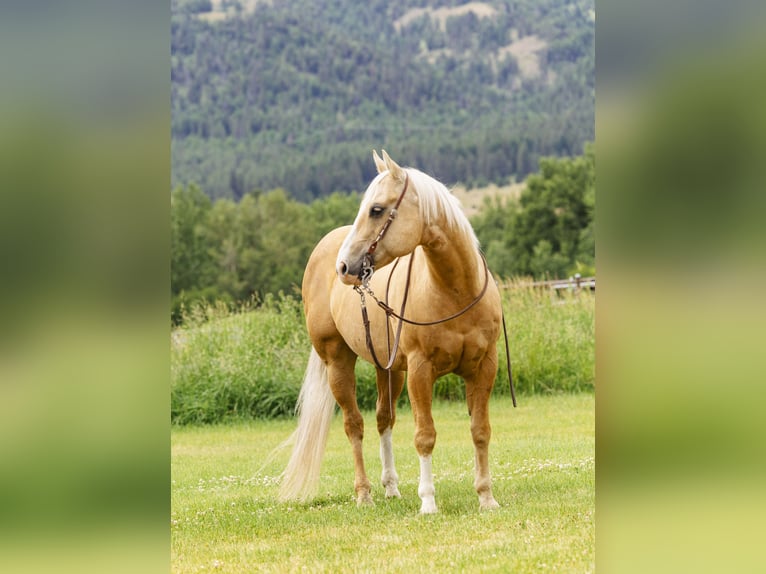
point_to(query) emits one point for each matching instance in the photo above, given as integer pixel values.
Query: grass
(552, 340)
(238, 365)
(226, 518)
(250, 364)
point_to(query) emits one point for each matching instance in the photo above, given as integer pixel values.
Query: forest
(294, 94)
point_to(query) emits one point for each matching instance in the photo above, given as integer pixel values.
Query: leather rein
(365, 274)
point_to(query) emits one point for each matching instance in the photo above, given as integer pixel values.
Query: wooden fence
(573, 283)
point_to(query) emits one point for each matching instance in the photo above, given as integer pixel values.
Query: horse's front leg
(420, 384)
(478, 390)
(343, 384)
(386, 416)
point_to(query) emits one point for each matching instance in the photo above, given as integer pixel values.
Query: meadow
(236, 374)
(226, 518)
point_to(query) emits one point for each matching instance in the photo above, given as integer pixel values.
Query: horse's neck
(453, 262)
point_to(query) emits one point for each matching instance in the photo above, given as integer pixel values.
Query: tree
(554, 210)
(550, 232)
(192, 266)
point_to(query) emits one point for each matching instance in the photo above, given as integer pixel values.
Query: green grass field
(226, 517)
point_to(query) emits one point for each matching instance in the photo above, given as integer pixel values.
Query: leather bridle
(365, 274)
(368, 263)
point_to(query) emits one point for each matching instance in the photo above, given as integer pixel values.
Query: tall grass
(249, 363)
(245, 364)
(552, 339)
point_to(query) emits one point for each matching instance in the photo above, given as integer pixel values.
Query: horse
(409, 218)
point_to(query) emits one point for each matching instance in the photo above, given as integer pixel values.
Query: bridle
(368, 263)
(365, 274)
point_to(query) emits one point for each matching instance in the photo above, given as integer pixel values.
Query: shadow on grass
(327, 501)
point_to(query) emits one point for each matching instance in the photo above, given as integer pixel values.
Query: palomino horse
(448, 278)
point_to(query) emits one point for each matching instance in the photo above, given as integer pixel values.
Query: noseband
(368, 263)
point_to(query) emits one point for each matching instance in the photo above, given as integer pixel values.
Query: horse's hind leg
(386, 416)
(340, 373)
(478, 390)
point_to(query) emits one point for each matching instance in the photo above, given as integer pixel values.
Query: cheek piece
(368, 263)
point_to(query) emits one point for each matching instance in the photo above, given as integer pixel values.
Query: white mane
(434, 200)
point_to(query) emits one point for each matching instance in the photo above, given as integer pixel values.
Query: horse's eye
(377, 210)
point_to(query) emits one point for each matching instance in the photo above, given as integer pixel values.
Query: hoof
(364, 499)
(392, 491)
(428, 506)
(488, 504)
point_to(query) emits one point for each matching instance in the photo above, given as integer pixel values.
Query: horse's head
(387, 226)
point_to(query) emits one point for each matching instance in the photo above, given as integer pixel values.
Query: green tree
(549, 233)
(545, 263)
(492, 226)
(192, 266)
(231, 251)
(554, 210)
(586, 248)
(224, 246)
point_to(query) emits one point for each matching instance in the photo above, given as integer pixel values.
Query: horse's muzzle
(347, 274)
(356, 274)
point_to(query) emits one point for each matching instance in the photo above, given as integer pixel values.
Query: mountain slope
(295, 93)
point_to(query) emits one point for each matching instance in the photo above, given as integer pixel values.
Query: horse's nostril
(342, 268)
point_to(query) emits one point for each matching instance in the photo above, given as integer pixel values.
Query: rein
(390, 312)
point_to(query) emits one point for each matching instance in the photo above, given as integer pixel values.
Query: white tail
(315, 409)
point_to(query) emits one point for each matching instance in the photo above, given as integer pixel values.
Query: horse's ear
(379, 163)
(393, 168)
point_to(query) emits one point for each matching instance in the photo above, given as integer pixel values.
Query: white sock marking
(388, 477)
(426, 488)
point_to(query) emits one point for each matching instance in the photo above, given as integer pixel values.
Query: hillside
(472, 200)
(295, 93)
